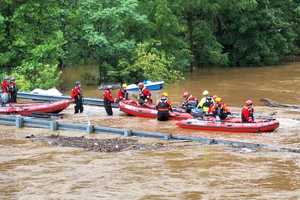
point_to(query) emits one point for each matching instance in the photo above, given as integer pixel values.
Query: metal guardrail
(38, 97)
(54, 125)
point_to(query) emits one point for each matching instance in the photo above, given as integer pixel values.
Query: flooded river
(235, 85)
(184, 170)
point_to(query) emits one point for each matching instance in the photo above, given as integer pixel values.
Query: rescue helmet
(185, 94)
(218, 99)
(141, 84)
(12, 78)
(165, 94)
(124, 85)
(77, 83)
(205, 93)
(249, 102)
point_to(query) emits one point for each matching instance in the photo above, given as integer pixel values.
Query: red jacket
(121, 94)
(107, 96)
(4, 86)
(247, 114)
(76, 91)
(164, 105)
(145, 94)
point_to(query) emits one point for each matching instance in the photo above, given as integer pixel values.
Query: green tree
(110, 30)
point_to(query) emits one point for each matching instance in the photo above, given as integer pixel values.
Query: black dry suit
(163, 107)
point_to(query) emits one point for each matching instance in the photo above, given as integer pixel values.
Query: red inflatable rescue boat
(28, 109)
(230, 125)
(132, 107)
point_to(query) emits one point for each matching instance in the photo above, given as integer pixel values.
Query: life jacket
(107, 96)
(76, 92)
(5, 86)
(247, 114)
(218, 109)
(145, 94)
(208, 102)
(122, 94)
(163, 105)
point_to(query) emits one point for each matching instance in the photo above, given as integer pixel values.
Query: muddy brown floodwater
(183, 170)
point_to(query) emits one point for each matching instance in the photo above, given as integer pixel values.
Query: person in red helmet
(144, 94)
(76, 95)
(108, 100)
(248, 112)
(189, 102)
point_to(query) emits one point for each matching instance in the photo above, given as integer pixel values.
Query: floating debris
(100, 145)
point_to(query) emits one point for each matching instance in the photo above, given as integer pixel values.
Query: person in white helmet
(206, 102)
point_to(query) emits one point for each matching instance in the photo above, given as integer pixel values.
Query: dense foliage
(136, 39)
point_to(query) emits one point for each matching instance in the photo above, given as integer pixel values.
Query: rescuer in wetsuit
(189, 103)
(248, 112)
(206, 102)
(76, 95)
(219, 109)
(108, 100)
(122, 93)
(144, 94)
(163, 108)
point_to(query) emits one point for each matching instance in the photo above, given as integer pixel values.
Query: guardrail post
(53, 125)
(19, 122)
(89, 128)
(167, 137)
(127, 133)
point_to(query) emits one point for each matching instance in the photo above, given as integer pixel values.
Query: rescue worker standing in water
(144, 94)
(76, 95)
(248, 112)
(108, 100)
(163, 108)
(122, 93)
(206, 102)
(189, 103)
(219, 109)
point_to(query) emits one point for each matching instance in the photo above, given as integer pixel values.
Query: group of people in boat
(214, 105)
(207, 106)
(9, 91)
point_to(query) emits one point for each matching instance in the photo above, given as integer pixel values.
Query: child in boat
(248, 112)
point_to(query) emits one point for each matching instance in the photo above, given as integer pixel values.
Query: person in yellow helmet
(122, 93)
(164, 107)
(206, 102)
(219, 109)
